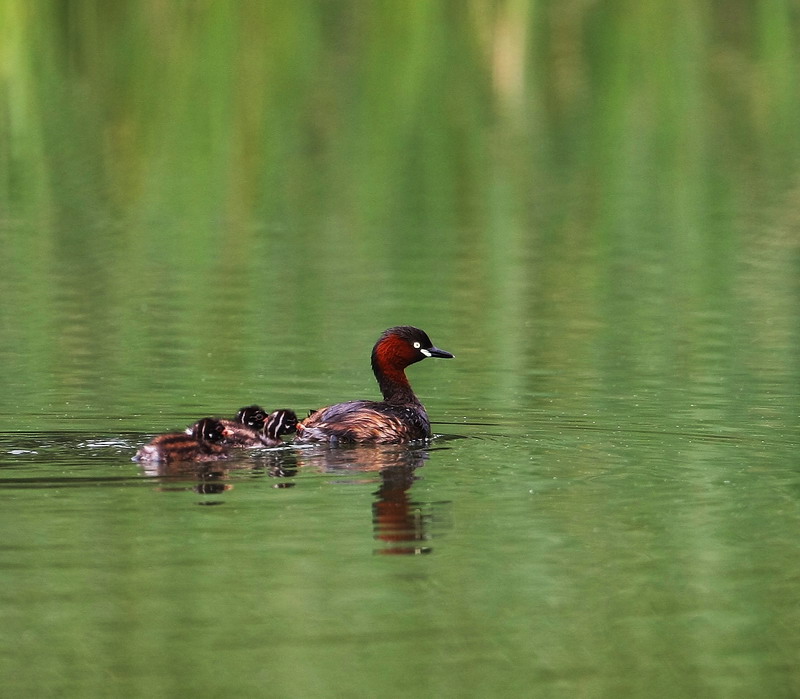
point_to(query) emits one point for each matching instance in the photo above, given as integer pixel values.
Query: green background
(593, 205)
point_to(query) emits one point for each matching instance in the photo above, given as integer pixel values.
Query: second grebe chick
(204, 443)
(254, 428)
(246, 428)
(399, 417)
(279, 423)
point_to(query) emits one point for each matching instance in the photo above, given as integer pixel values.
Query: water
(573, 555)
(605, 235)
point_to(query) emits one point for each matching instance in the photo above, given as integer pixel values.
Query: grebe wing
(364, 421)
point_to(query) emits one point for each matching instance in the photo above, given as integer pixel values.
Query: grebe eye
(417, 345)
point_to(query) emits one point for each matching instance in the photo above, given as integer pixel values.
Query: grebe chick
(279, 423)
(399, 417)
(245, 429)
(203, 444)
(275, 425)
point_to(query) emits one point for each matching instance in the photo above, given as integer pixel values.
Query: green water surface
(594, 206)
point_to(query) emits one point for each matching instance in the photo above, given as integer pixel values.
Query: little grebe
(399, 417)
(204, 443)
(252, 427)
(274, 425)
(279, 423)
(245, 429)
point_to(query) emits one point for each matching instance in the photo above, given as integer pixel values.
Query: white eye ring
(417, 345)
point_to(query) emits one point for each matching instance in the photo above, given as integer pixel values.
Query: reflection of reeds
(168, 173)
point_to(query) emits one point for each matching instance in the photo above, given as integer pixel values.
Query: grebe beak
(436, 352)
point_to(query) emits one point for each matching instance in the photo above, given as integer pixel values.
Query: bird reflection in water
(276, 464)
(213, 478)
(205, 478)
(402, 524)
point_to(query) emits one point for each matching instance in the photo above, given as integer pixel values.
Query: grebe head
(252, 416)
(403, 345)
(279, 423)
(209, 430)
